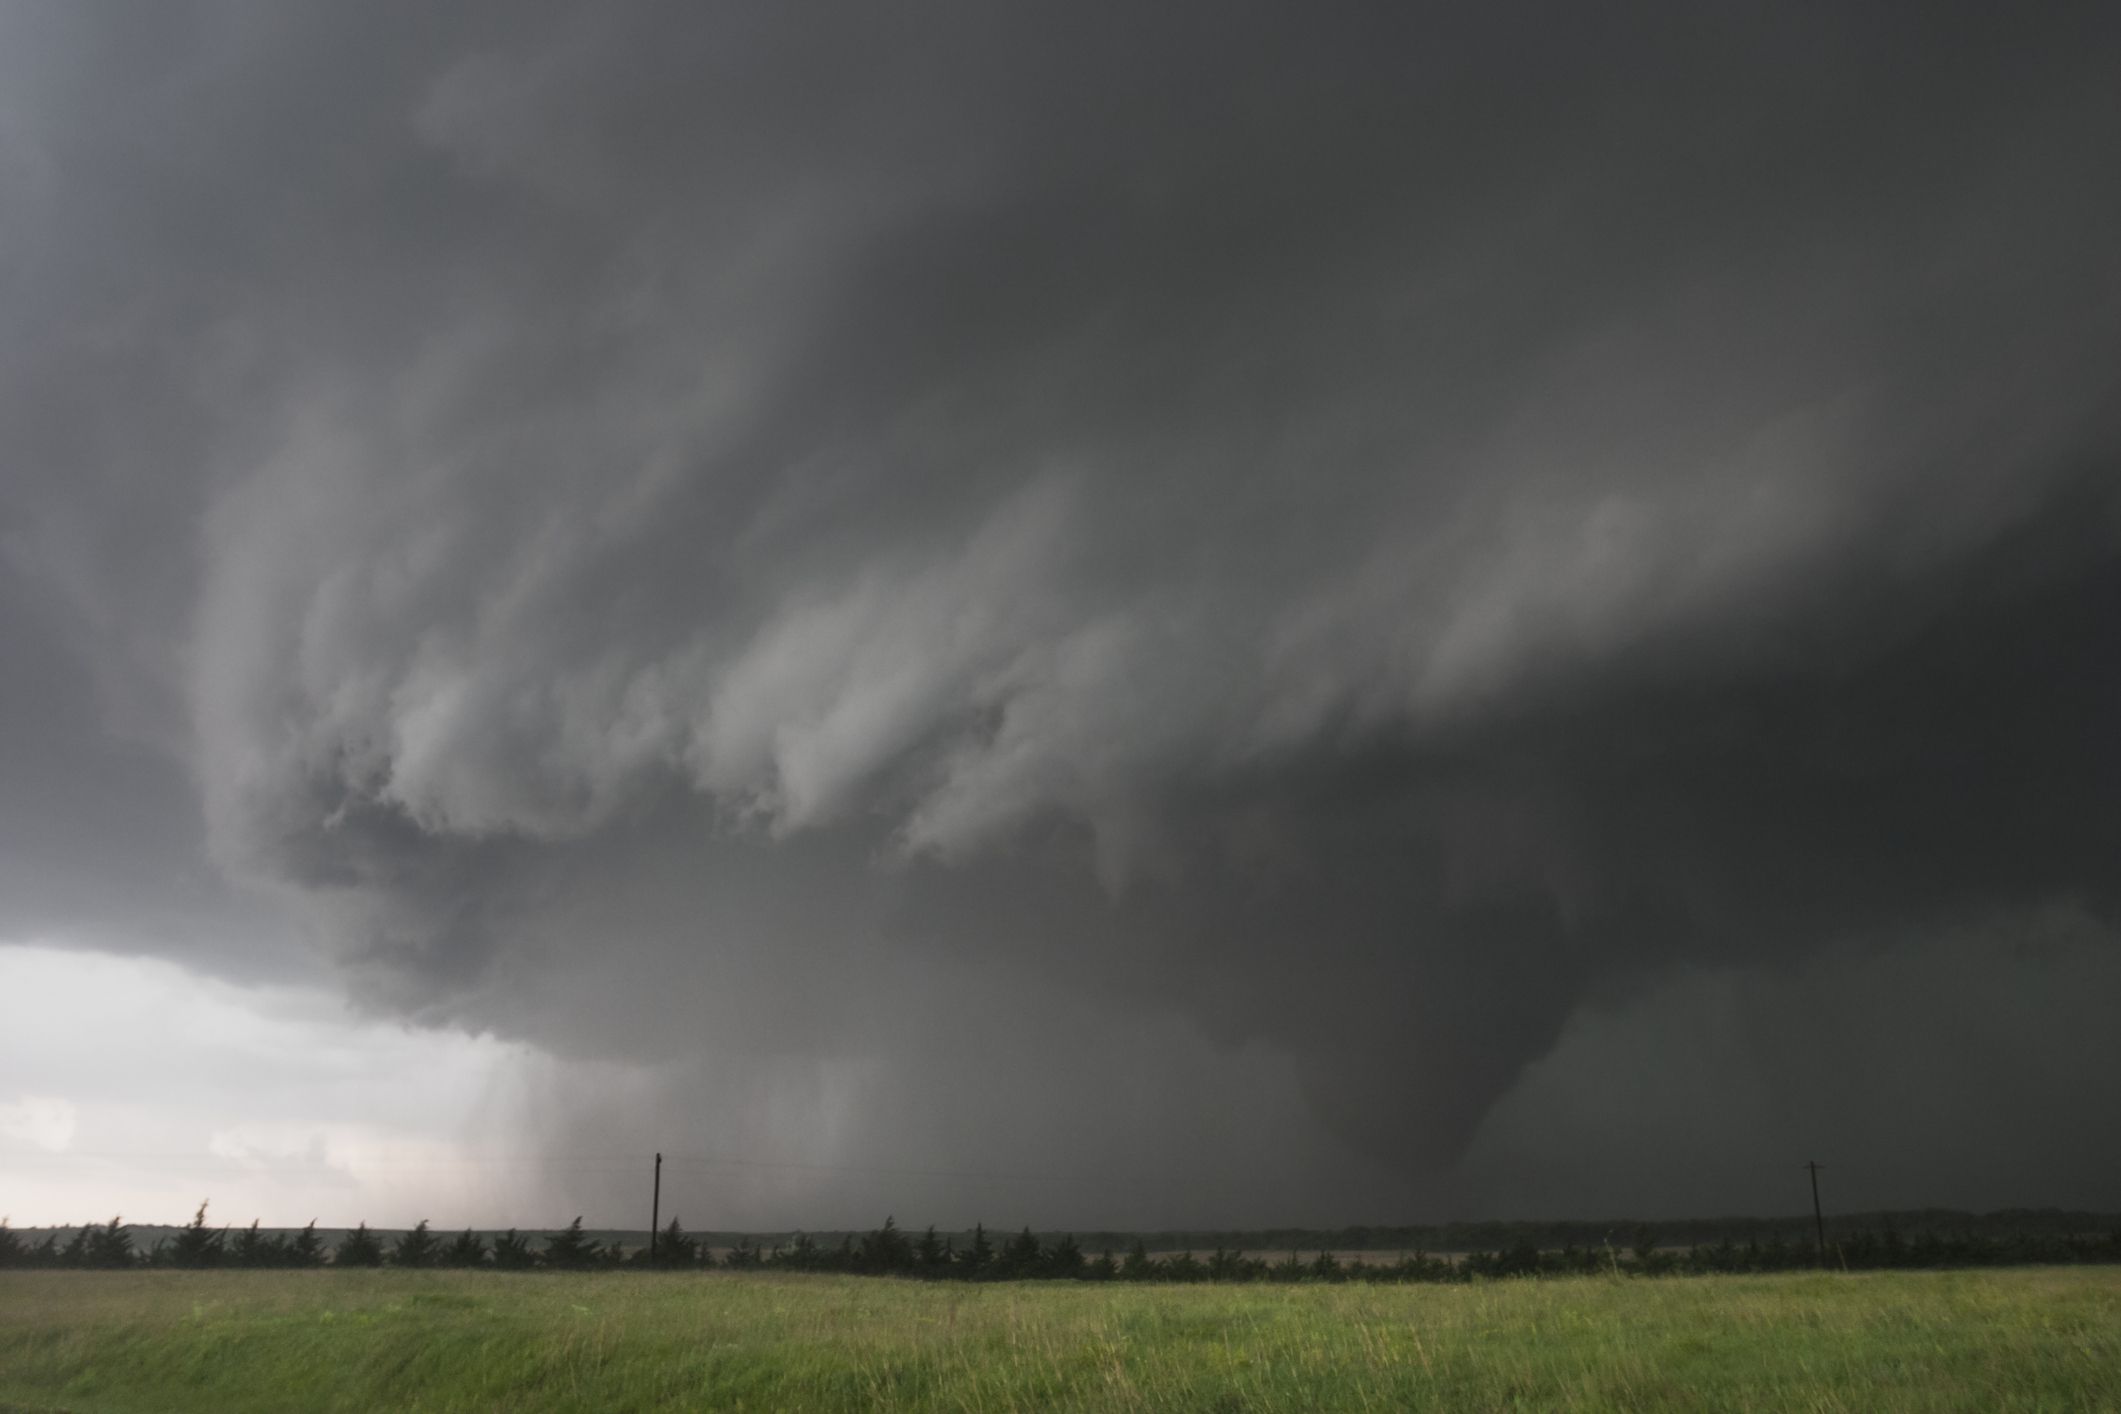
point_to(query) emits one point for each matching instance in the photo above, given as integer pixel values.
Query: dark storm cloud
(1348, 537)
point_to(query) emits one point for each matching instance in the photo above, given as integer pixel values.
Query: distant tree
(1523, 1259)
(110, 1246)
(885, 1251)
(744, 1256)
(1420, 1266)
(1139, 1266)
(1102, 1267)
(13, 1251)
(306, 1249)
(1021, 1256)
(46, 1254)
(674, 1249)
(1182, 1266)
(465, 1250)
(1289, 1268)
(75, 1253)
(930, 1254)
(245, 1246)
(252, 1248)
(1064, 1259)
(417, 1248)
(511, 1252)
(361, 1248)
(570, 1250)
(198, 1245)
(977, 1260)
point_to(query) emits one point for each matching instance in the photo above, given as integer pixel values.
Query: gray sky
(1071, 614)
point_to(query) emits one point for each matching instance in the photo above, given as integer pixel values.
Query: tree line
(1498, 1235)
(890, 1251)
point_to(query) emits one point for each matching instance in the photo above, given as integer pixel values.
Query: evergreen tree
(75, 1254)
(674, 1249)
(570, 1250)
(1326, 1268)
(247, 1247)
(1064, 1259)
(306, 1250)
(109, 1246)
(745, 1256)
(47, 1253)
(465, 1251)
(198, 1245)
(930, 1256)
(417, 1248)
(511, 1252)
(886, 1250)
(12, 1251)
(1021, 1256)
(256, 1248)
(361, 1248)
(977, 1260)
(1139, 1266)
(1103, 1268)
(1422, 1267)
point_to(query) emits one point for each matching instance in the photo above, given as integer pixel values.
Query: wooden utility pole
(1818, 1219)
(655, 1207)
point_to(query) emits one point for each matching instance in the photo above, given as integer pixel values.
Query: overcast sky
(1079, 614)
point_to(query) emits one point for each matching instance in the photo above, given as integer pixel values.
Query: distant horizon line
(1617, 1226)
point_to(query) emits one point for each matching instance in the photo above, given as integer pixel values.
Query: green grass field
(233, 1341)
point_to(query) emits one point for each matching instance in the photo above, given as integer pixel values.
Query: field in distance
(364, 1340)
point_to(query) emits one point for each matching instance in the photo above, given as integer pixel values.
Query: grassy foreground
(232, 1341)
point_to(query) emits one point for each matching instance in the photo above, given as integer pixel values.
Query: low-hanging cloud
(1342, 540)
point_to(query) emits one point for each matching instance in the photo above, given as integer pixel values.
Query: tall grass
(443, 1341)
